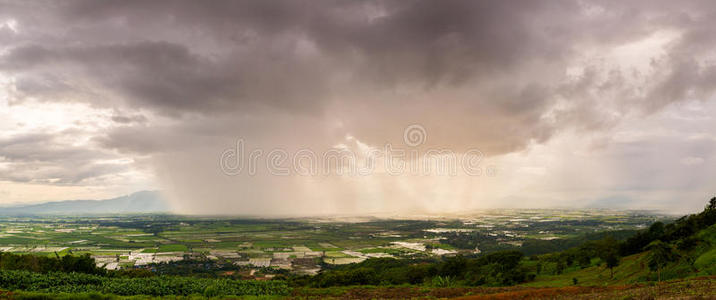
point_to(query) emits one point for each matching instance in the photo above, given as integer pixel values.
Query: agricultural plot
(300, 244)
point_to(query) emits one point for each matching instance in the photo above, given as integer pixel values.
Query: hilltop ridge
(138, 202)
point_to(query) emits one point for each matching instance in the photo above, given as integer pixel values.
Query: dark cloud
(506, 59)
(51, 159)
(189, 77)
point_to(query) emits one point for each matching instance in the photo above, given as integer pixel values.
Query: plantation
(56, 282)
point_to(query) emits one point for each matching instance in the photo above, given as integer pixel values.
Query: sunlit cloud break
(342, 160)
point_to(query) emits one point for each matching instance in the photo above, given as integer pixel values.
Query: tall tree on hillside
(660, 254)
(612, 261)
(608, 249)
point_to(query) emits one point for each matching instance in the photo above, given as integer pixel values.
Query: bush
(154, 286)
(443, 281)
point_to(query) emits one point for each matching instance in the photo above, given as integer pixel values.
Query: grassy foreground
(692, 288)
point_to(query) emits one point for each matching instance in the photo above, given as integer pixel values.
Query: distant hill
(139, 202)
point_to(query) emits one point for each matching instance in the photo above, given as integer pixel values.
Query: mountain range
(139, 202)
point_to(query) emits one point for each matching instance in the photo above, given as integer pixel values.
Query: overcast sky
(570, 103)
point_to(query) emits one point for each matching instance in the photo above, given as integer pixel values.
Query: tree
(454, 266)
(660, 254)
(656, 230)
(612, 261)
(608, 249)
(560, 267)
(583, 259)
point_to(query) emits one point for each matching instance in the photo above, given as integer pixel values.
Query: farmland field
(305, 245)
(505, 254)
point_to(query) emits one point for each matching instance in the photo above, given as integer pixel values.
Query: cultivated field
(303, 245)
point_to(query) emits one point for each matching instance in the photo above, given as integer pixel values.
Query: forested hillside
(686, 247)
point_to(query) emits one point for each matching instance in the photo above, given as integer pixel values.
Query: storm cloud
(180, 81)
